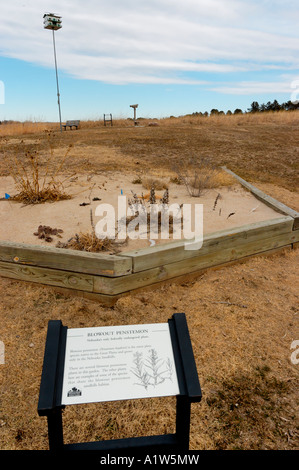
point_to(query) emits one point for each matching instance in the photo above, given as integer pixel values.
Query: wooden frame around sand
(106, 277)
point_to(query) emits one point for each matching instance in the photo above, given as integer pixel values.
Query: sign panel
(118, 363)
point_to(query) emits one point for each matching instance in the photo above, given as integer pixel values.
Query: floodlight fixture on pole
(53, 22)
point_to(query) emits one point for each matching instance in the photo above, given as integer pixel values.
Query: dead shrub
(34, 188)
(197, 174)
(150, 182)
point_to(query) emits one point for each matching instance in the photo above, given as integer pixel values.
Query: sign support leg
(55, 429)
(183, 412)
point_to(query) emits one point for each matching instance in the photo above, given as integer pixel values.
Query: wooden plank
(197, 274)
(107, 290)
(110, 300)
(69, 260)
(47, 276)
(117, 285)
(268, 200)
(175, 251)
(114, 286)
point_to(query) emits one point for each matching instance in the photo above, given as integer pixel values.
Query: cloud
(162, 41)
(254, 88)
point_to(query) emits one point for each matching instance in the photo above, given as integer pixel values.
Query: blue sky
(170, 57)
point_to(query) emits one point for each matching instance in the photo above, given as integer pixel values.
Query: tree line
(255, 107)
(273, 106)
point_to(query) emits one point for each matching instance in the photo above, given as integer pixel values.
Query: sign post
(88, 365)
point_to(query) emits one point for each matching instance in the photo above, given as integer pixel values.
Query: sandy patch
(19, 222)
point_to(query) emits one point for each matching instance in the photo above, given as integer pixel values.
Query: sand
(19, 222)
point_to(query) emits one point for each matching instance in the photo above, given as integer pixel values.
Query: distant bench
(71, 124)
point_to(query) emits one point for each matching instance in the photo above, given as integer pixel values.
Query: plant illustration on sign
(152, 370)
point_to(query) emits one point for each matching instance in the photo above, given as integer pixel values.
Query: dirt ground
(242, 318)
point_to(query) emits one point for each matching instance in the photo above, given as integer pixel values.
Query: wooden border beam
(268, 200)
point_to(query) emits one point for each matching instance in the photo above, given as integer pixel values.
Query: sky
(171, 57)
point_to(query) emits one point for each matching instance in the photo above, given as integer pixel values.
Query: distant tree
(275, 106)
(263, 108)
(214, 111)
(286, 106)
(238, 111)
(290, 105)
(229, 113)
(255, 107)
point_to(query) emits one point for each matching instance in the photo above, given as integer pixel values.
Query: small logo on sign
(75, 392)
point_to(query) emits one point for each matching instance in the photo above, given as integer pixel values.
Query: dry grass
(242, 318)
(281, 117)
(241, 324)
(25, 128)
(260, 147)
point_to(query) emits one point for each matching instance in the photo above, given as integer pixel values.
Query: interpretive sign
(108, 363)
(118, 363)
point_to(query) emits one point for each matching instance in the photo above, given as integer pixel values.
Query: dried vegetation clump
(154, 183)
(91, 243)
(199, 175)
(88, 242)
(34, 187)
(45, 232)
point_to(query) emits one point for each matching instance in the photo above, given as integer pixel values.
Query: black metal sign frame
(49, 404)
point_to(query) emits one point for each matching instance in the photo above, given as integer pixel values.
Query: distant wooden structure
(134, 106)
(108, 118)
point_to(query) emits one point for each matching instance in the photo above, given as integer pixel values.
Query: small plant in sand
(146, 205)
(197, 174)
(32, 186)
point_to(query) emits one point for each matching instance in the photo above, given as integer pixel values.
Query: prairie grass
(278, 117)
(24, 128)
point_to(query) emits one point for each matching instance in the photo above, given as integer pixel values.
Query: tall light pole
(53, 22)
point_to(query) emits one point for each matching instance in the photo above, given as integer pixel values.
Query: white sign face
(118, 363)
